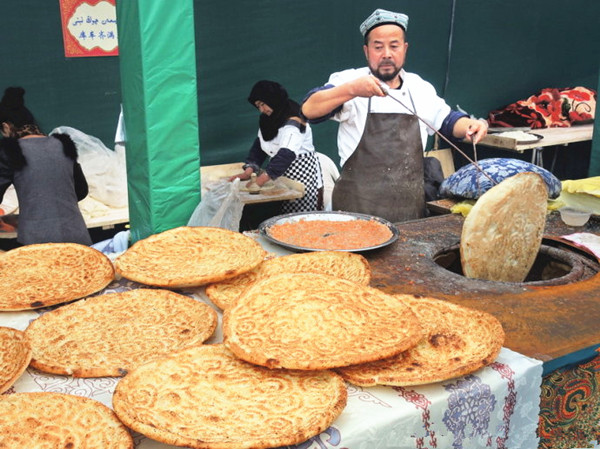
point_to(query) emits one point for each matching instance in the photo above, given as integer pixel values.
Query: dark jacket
(49, 183)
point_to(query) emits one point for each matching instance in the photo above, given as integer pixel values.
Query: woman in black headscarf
(285, 139)
(47, 178)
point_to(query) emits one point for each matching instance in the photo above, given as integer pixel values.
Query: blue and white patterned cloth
(117, 244)
(468, 182)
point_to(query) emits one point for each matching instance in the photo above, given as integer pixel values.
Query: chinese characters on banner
(89, 27)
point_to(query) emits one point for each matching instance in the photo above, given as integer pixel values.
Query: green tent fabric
(159, 93)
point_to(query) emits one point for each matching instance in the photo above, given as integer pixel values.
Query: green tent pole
(159, 94)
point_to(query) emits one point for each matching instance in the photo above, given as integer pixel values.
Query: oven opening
(555, 264)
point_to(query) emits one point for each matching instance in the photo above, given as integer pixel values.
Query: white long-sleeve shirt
(353, 115)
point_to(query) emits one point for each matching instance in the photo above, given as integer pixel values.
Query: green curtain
(158, 82)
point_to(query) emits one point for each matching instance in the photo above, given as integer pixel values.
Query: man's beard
(385, 76)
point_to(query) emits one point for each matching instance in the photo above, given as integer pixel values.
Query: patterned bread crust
(42, 275)
(225, 293)
(204, 397)
(457, 341)
(189, 257)
(55, 420)
(15, 355)
(107, 335)
(344, 265)
(314, 321)
(502, 234)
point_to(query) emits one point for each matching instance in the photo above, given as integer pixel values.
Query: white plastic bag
(219, 207)
(104, 169)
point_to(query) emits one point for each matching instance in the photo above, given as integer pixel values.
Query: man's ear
(365, 49)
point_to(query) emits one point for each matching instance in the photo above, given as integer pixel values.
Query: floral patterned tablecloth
(495, 407)
(570, 407)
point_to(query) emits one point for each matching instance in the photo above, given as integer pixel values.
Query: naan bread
(503, 232)
(189, 257)
(314, 321)
(110, 334)
(457, 341)
(55, 420)
(344, 265)
(519, 136)
(204, 397)
(42, 275)
(15, 354)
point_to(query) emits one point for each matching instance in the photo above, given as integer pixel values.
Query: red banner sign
(89, 27)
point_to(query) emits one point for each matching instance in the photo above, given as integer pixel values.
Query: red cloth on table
(549, 108)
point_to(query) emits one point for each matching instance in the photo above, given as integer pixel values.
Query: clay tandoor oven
(555, 313)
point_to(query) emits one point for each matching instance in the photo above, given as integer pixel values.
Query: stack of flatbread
(456, 341)
(108, 335)
(286, 318)
(315, 321)
(42, 275)
(312, 321)
(344, 265)
(503, 232)
(295, 328)
(189, 257)
(53, 420)
(15, 355)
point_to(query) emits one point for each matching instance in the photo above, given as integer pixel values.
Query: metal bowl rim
(297, 216)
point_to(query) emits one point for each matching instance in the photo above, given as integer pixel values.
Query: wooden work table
(550, 137)
(108, 217)
(285, 188)
(556, 324)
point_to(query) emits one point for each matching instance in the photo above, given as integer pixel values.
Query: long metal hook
(386, 90)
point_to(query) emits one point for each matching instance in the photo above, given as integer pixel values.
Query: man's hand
(477, 130)
(324, 101)
(365, 86)
(471, 129)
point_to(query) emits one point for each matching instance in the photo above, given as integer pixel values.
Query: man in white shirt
(381, 137)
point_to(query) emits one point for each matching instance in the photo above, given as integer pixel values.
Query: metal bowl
(326, 216)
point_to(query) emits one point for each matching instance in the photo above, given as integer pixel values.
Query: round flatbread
(42, 275)
(189, 257)
(15, 355)
(314, 321)
(204, 397)
(110, 334)
(502, 233)
(53, 420)
(344, 265)
(457, 341)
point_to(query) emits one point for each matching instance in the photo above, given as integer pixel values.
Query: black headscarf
(276, 97)
(12, 108)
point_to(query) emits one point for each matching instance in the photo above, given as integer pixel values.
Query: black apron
(384, 175)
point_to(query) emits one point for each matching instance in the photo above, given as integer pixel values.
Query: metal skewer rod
(385, 89)
(475, 157)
